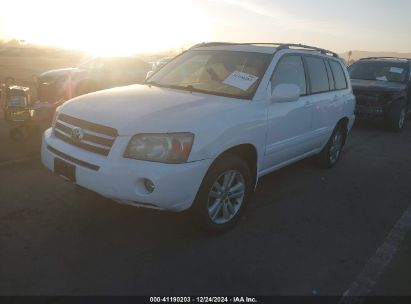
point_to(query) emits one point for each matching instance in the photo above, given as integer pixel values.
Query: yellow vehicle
(19, 111)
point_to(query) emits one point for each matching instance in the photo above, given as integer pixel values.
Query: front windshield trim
(248, 96)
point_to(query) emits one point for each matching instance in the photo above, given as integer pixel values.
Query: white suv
(202, 130)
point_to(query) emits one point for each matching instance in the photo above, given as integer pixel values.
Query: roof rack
(309, 48)
(278, 45)
(385, 57)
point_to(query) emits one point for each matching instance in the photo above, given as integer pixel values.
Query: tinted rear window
(318, 75)
(339, 75)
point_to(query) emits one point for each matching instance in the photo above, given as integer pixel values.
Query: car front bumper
(121, 179)
(369, 112)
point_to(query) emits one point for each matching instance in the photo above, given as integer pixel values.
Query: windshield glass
(380, 70)
(224, 73)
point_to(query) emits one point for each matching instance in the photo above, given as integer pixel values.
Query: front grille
(96, 138)
(366, 98)
(373, 99)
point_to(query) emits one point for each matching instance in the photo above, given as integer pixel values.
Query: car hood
(141, 108)
(377, 86)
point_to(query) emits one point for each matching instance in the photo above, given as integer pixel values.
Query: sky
(116, 27)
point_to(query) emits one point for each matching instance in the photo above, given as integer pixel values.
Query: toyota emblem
(77, 134)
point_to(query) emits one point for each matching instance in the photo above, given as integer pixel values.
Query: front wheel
(223, 194)
(331, 153)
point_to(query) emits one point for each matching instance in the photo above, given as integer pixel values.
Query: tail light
(69, 89)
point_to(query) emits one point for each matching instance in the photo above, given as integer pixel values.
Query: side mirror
(285, 93)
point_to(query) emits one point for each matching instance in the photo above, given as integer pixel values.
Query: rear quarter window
(318, 74)
(339, 75)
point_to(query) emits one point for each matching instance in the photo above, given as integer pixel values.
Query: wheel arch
(248, 152)
(344, 123)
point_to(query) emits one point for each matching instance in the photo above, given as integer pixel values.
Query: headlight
(173, 148)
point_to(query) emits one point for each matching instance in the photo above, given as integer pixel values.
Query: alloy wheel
(226, 197)
(336, 146)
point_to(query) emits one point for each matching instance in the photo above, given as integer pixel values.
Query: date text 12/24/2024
(203, 300)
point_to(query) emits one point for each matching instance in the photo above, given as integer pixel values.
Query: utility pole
(349, 57)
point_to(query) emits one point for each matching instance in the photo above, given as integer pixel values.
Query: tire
(397, 117)
(216, 211)
(331, 153)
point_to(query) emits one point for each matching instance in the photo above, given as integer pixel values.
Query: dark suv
(382, 86)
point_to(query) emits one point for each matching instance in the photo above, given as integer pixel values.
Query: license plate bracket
(65, 170)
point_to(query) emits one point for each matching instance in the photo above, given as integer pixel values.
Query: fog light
(149, 185)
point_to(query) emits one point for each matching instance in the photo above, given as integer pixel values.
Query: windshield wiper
(170, 86)
(188, 87)
(153, 83)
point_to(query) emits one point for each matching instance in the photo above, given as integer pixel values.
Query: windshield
(380, 70)
(224, 73)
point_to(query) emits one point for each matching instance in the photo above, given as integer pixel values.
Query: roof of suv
(263, 47)
(386, 58)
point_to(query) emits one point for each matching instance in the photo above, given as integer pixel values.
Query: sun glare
(113, 28)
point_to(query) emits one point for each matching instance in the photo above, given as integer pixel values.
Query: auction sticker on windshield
(240, 80)
(396, 70)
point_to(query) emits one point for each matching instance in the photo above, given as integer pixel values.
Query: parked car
(92, 75)
(201, 131)
(57, 86)
(382, 86)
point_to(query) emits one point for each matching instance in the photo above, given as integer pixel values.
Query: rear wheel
(397, 117)
(331, 153)
(223, 194)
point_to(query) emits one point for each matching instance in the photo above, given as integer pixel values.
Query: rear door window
(339, 75)
(318, 74)
(330, 76)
